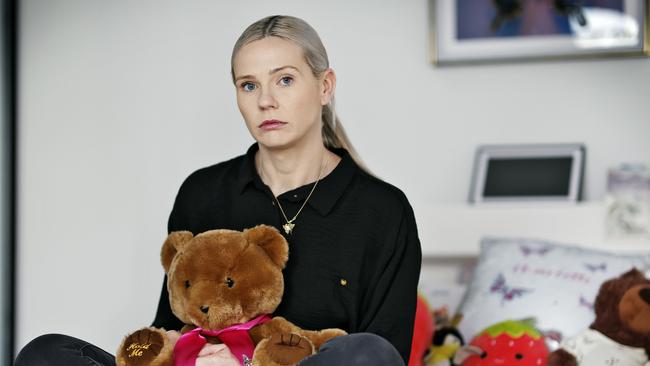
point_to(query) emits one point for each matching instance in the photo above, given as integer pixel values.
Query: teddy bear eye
(229, 282)
(187, 283)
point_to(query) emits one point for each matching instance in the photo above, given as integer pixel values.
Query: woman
(354, 250)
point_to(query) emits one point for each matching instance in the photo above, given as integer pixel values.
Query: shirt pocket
(341, 299)
(325, 301)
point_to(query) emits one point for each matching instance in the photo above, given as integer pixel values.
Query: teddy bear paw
(284, 349)
(147, 346)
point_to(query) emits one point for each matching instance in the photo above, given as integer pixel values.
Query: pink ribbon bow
(235, 337)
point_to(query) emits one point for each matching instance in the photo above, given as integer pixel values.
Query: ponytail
(334, 135)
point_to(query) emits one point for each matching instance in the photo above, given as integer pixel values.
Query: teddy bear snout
(204, 309)
(644, 293)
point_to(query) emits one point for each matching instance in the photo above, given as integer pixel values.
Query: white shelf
(455, 230)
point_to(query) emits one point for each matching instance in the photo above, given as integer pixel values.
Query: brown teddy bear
(620, 335)
(223, 285)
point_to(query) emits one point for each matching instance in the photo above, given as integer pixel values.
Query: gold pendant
(288, 227)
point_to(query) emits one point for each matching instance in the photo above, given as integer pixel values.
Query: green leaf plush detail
(514, 328)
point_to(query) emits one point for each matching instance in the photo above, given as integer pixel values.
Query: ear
(273, 243)
(328, 86)
(634, 274)
(172, 245)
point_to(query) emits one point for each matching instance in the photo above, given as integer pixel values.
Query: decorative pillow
(553, 283)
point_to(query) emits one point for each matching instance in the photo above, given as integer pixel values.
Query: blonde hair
(302, 34)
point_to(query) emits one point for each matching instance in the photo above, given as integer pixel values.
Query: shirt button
(343, 282)
(273, 203)
(295, 196)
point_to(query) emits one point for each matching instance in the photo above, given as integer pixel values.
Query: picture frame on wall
(528, 173)
(483, 31)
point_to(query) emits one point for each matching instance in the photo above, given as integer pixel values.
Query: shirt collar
(247, 171)
(327, 193)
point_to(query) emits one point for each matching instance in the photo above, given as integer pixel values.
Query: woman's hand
(173, 335)
(216, 355)
(210, 354)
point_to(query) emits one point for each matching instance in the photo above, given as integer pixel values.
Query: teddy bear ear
(172, 245)
(634, 274)
(273, 243)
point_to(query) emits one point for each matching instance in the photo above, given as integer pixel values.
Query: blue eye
(286, 80)
(248, 86)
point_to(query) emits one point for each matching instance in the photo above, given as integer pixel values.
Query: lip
(271, 124)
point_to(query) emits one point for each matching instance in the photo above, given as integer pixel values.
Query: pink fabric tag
(235, 337)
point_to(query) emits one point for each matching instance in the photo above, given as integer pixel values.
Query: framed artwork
(476, 31)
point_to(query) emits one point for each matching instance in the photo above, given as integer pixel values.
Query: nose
(267, 99)
(645, 294)
(204, 309)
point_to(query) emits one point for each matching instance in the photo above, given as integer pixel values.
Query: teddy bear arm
(277, 325)
(278, 343)
(147, 346)
(561, 357)
(317, 337)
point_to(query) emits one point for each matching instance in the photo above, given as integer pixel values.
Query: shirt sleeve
(165, 318)
(389, 306)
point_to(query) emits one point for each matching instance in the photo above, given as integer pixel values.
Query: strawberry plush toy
(506, 343)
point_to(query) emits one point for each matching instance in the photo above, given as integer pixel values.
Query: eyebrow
(273, 71)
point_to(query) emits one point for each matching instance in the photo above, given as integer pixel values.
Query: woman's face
(278, 95)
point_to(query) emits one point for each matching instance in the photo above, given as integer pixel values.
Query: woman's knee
(37, 351)
(368, 340)
(359, 349)
(45, 350)
(376, 347)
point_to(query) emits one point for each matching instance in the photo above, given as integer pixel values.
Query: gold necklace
(289, 225)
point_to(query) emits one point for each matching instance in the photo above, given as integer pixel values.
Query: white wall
(120, 100)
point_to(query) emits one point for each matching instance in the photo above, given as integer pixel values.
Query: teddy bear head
(623, 310)
(223, 277)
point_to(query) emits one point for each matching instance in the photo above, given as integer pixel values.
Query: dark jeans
(358, 349)
(57, 349)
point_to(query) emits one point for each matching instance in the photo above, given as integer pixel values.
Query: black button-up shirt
(354, 254)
